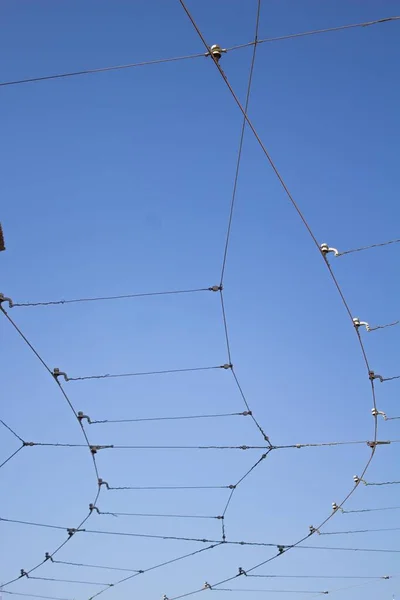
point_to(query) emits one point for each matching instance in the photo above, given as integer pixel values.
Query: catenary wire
(88, 566)
(32, 595)
(365, 510)
(174, 418)
(138, 374)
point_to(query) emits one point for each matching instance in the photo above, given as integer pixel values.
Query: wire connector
(216, 288)
(216, 51)
(48, 556)
(375, 413)
(81, 416)
(207, 586)
(102, 482)
(227, 366)
(314, 530)
(372, 375)
(95, 449)
(358, 480)
(57, 373)
(336, 507)
(23, 573)
(242, 571)
(357, 323)
(281, 549)
(378, 443)
(325, 249)
(92, 507)
(4, 298)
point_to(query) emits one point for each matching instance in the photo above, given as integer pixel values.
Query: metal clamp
(325, 249)
(216, 51)
(357, 323)
(4, 298)
(375, 412)
(372, 375)
(57, 373)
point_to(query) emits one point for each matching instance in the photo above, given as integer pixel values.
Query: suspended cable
(88, 566)
(137, 374)
(174, 418)
(372, 245)
(364, 510)
(102, 298)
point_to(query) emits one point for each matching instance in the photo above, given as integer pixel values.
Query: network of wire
(266, 446)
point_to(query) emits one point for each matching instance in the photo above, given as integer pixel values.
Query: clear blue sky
(120, 182)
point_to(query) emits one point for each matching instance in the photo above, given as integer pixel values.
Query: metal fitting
(216, 288)
(92, 507)
(57, 373)
(358, 480)
(216, 51)
(4, 298)
(207, 586)
(24, 573)
(375, 413)
(335, 507)
(48, 556)
(81, 416)
(372, 375)
(281, 549)
(102, 482)
(227, 366)
(313, 530)
(325, 249)
(242, 571)
(357, 323)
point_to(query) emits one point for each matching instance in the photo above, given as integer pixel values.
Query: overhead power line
(362, 248)
(192, 56)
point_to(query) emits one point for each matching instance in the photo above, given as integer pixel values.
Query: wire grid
(266, 448)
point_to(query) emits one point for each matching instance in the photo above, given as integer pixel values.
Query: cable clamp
(242, 571)
(232, 487)
(314, 530)
(28, 444)
(94, 449)
(227, 366)
(247, 413)
(325, 249)
(207, 586)
(24, 573)
(357, 323)
(220, 517)
(358, 480)
(92, 507)
(71, 531)
(102, 482)
(165, 597)
(335, 507)
(81, 416)
(57, 373)
(216, 51)
(216, 288)
(48, 556)
(4, 298)
(372, 375)
(386, 577)
(378, 443)
(375, 412)
(281, 549)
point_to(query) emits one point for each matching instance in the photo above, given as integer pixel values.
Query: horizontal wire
(382, 483)
(171, 487)
(317, 576)
(372, 245)
(73, 564)
(390, 378)
(95, 447)
(122, 514)
(100, 70)
(359, 531)
(391, 418)
(177, 418)
(363, 510)
(101, 298)
(116, 375)
(191, 56)
(217, 589)
(68, 581)
(32, 595)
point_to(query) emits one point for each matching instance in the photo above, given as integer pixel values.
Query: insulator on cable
(357, 323)
(82, 416)
(207, 586)
(375, 412)
(372, 375)
(281, 549)
(4, 298)
(325, 249)
(216, 288)
(216, 51)
(57, 373)
(227, 366)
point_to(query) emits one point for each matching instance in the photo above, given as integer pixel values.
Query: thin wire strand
(383, 326)
(88, 566)
(372, 245)
(32, 595)
(170, 487)
(317, 576)
(68, 581)
(176, 418)
(123, 447)
(216, 589)
(11, 456)
(354, 531)
(100, 70)
(168, 516)
(11, 431)
(365, 510)
(102, 298)
(165, 372)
